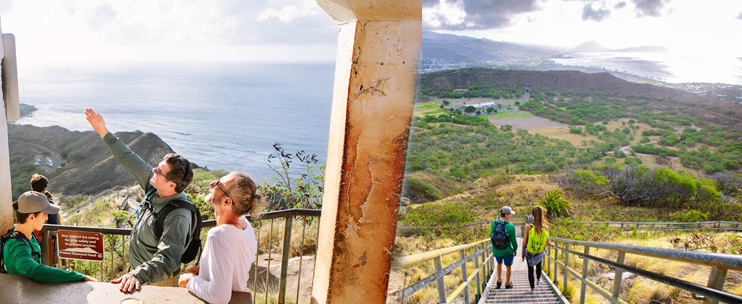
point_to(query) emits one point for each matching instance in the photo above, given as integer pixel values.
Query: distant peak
(590, 46)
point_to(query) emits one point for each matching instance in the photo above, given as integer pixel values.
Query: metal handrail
(482, 271)
(412, 260)
(719, 225)
(729, 261)
(720, 264)
(286, 215)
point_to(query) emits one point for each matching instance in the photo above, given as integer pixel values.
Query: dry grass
(271, 240)
(642, 290)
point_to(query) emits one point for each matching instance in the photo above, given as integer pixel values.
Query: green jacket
(19, 260)
(513, 248)
(153, 259)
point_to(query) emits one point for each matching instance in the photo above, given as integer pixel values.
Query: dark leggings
(530, 273)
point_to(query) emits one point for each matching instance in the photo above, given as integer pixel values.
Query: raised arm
(128, 159)
(97, 122)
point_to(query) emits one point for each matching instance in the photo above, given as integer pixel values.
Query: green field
(431, 108)
(517, 115)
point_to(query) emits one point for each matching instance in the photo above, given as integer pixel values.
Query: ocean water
(223, 116)
(666, 67)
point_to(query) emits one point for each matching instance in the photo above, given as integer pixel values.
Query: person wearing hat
(23, 256)
(504, 245)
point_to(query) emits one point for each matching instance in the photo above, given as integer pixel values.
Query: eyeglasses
(159, 172)
(216, 185)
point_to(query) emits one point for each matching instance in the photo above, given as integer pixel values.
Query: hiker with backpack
(504, 245)
(167, 227)
(535, 240)
(21, 252)
(231, 246)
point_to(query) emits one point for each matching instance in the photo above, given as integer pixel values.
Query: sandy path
(531, 123)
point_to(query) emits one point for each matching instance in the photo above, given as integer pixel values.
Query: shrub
(555, 203)
(75, 156)
(689, 216)
(414, 187)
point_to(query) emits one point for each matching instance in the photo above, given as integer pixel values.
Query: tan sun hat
(32, 202)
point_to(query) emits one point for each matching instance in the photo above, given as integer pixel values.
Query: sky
(682, 26)
(100, 31)
(109, 31)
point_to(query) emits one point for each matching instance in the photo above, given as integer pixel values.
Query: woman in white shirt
(231, 246)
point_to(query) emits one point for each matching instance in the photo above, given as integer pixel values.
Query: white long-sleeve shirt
(225, 263)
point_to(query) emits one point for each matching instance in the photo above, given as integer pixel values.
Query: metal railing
(713, 292)
(105, 193)
(480, 254)
(283, 225)
(710, 225)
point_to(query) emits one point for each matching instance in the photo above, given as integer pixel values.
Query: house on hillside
(484, 105)
(462, 91)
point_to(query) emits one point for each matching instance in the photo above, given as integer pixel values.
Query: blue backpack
(499, 235)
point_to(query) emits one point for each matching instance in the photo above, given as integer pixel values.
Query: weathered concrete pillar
(6, 190)
(375, 79)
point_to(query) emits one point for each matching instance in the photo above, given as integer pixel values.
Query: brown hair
(21, 218)
(181, 171)
(39, 183)
(245, 197)
(539, 220)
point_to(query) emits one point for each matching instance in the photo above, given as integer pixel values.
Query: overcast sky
(683, 26)
(299, 30)
(169, 30)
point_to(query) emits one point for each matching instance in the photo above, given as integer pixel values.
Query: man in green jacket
(31, 210)
(506, 254)
(154, 260)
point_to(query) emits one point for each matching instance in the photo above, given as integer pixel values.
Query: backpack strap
(165, 211)
(195, 221)
(19, 236)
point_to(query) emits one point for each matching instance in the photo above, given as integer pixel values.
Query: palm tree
(555, 203)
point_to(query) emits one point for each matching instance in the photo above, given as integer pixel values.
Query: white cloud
(287, 13)
(49, 31)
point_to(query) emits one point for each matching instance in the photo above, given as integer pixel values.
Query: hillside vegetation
(88, 165)
(620, 123)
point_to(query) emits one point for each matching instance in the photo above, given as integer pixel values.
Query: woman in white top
(231, 246)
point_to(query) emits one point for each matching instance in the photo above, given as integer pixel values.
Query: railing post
(440, 283)
(566, 265)
(464, 276)
(716, 281)
(556, 270)
(618, 276)
(548, 260)
(585, 262)
(285, 258)
(476, 267)
(47, 250)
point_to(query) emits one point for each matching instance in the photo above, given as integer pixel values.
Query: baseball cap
(506, 210)
(32, 202)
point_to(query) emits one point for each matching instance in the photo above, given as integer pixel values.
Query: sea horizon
(220, 116)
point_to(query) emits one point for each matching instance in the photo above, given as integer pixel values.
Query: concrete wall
(6, 191)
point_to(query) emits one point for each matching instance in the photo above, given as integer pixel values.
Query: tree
(517, 103)
(555, 203)
(470, 109)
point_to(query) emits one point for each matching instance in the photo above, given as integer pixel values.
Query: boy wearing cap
(31, 211)
(506, 254)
